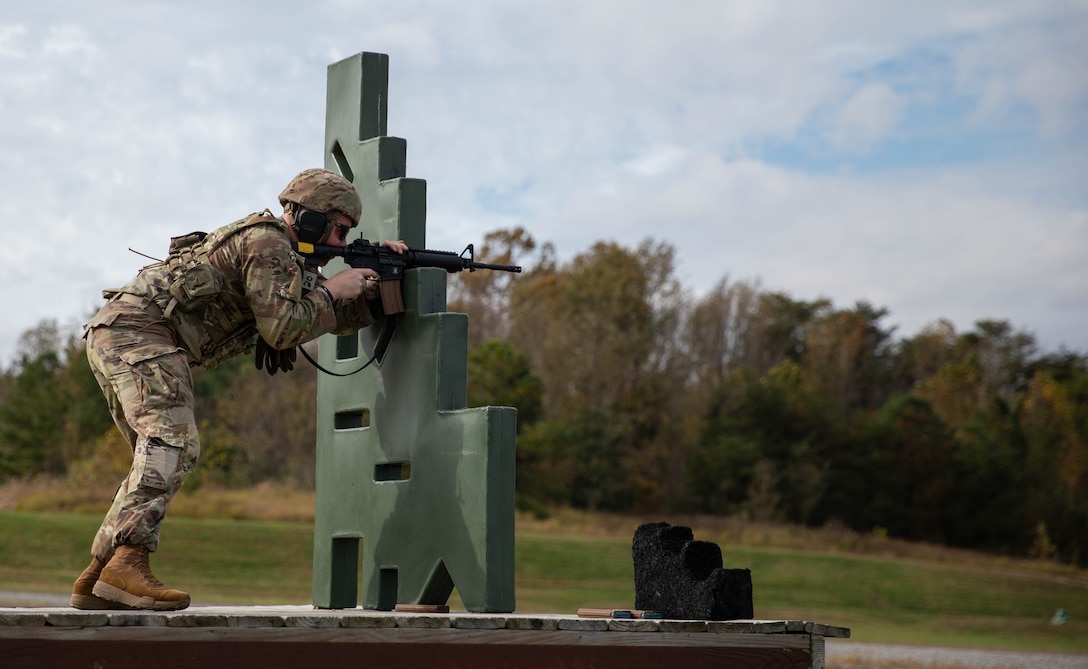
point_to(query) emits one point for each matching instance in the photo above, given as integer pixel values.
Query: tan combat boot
(82, 592)
(127, 579)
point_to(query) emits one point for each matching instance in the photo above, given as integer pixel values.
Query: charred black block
(682, 578)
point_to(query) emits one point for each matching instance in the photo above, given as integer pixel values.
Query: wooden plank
(422, 635)
(816, 652)
(617, 613)
(130, 654)
(531, 623)
(307, 616)
(633, 625)
(21, 618)
(478, 622)
(302, 636)
(422, 608)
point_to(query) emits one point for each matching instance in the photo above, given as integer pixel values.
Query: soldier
(238, 289)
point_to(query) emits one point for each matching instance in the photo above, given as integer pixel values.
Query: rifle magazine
(392, 297)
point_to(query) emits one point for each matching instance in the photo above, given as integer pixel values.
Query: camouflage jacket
(261, 287)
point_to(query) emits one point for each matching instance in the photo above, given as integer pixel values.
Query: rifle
(391, 265)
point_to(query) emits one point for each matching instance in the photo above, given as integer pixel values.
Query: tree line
(634, 394)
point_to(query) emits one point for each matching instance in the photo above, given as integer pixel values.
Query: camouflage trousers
(149, 389)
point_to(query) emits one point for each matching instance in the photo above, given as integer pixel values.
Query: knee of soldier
(163, 462)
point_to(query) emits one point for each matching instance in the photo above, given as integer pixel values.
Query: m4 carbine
(391, 265)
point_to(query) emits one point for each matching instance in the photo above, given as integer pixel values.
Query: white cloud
(122, 126)
(9, 37)
(657, 161)
(65, 40)
(927, 245)
(1047, 84)
(1033, 60)
(866, 118)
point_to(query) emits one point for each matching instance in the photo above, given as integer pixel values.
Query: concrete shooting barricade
(411, 483)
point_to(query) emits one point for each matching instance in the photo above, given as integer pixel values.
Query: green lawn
(980, 604)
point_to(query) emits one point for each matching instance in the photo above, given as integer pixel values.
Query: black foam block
(682, 578)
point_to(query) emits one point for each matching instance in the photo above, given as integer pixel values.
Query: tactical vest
(211, 317)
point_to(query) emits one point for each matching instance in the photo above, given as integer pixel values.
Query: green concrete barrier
(415, 491)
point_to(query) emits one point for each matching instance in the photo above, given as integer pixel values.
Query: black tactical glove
(272, 360)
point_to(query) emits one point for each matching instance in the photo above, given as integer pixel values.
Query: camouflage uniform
(142, 343)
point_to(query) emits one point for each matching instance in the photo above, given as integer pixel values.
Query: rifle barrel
(499, 268)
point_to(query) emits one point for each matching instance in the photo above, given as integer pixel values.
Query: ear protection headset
(312, 227)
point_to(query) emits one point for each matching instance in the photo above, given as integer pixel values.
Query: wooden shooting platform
(300, 636)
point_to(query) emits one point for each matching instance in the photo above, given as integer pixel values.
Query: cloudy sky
(930, 157)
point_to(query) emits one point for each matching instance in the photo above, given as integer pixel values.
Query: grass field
(885, 591)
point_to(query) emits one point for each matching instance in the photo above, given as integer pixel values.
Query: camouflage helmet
(323, 191)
